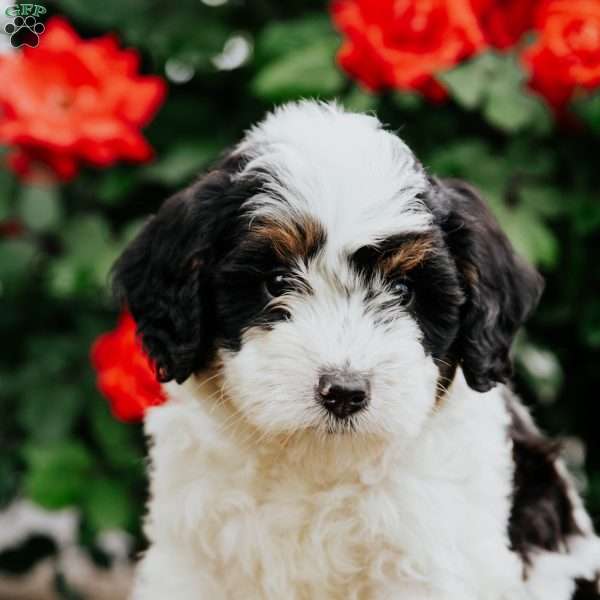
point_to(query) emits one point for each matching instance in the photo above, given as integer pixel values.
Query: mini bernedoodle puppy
(335, 325)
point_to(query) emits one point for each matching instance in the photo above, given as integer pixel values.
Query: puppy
(333, 328)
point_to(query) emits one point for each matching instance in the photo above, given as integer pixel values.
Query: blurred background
(107, 107)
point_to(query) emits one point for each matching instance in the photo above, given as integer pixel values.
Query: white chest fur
(235, 515)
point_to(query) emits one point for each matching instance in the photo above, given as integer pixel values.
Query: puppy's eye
(403, 290)
(277, 284)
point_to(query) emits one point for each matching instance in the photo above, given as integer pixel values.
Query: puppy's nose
(343, 394)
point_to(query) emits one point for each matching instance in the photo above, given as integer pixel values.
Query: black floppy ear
(501, 288)
(165, 276)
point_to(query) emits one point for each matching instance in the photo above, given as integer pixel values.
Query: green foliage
(106, 506)
(17, 258)
(180, 163)
(39, 207)
(297, 60)
(588, 108)
(58, 473)
(495, 84)
(60, 445)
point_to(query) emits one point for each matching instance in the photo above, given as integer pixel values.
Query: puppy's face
(334, 337)
(336, 285)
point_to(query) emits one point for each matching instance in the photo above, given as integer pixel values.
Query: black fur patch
(20, 559)
(586, 590)
(167, 274)
(542, 514)
(501, 289)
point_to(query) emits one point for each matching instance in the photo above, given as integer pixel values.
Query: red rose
(71, 100)
(404, 43)
(567, 53)
(505, 21)
(125, 374)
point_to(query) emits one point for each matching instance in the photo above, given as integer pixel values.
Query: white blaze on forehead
(358, 180)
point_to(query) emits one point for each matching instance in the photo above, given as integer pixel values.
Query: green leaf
(473, 160)
(90, 253)
(531, 237)
(308, 72)
(58, 474)
(407, 101)
(116, 185)
(495, 83)
(515, 110)
(525, 155)
(468, 82)
(107, 504)
(183, 162)
(115, 439)
(48, 413)
(508, 105)
(360, 101)
(297, 59)
(284, 38)
(510, 112)
(39, 207)
(544, 200)
(16, 260)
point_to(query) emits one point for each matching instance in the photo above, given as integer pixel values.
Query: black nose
(343, 394)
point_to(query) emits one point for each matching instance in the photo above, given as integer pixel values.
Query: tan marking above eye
(291, 239)
(409, 255)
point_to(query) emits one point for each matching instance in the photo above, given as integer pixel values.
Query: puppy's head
(332, 281)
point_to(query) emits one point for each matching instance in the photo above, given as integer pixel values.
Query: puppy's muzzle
(343, 393)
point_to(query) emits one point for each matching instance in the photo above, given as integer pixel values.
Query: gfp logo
(25, 30)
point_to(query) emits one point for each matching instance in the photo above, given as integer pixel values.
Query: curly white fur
(237, 515)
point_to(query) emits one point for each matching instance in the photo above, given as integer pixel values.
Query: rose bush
(408, 45)
(403, 44)
(71, 100)
(566, 56)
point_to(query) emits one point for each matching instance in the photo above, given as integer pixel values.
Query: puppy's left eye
(277, 284)
(403, 290)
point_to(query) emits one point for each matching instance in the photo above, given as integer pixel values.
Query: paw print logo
(24, 31)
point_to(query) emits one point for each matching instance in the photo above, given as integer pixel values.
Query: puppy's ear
(165, 276)
(501, 288)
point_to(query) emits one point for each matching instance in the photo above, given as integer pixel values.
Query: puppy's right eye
(277, 284)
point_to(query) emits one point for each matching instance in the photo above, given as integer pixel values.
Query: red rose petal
(504, 22)
(125, 374)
